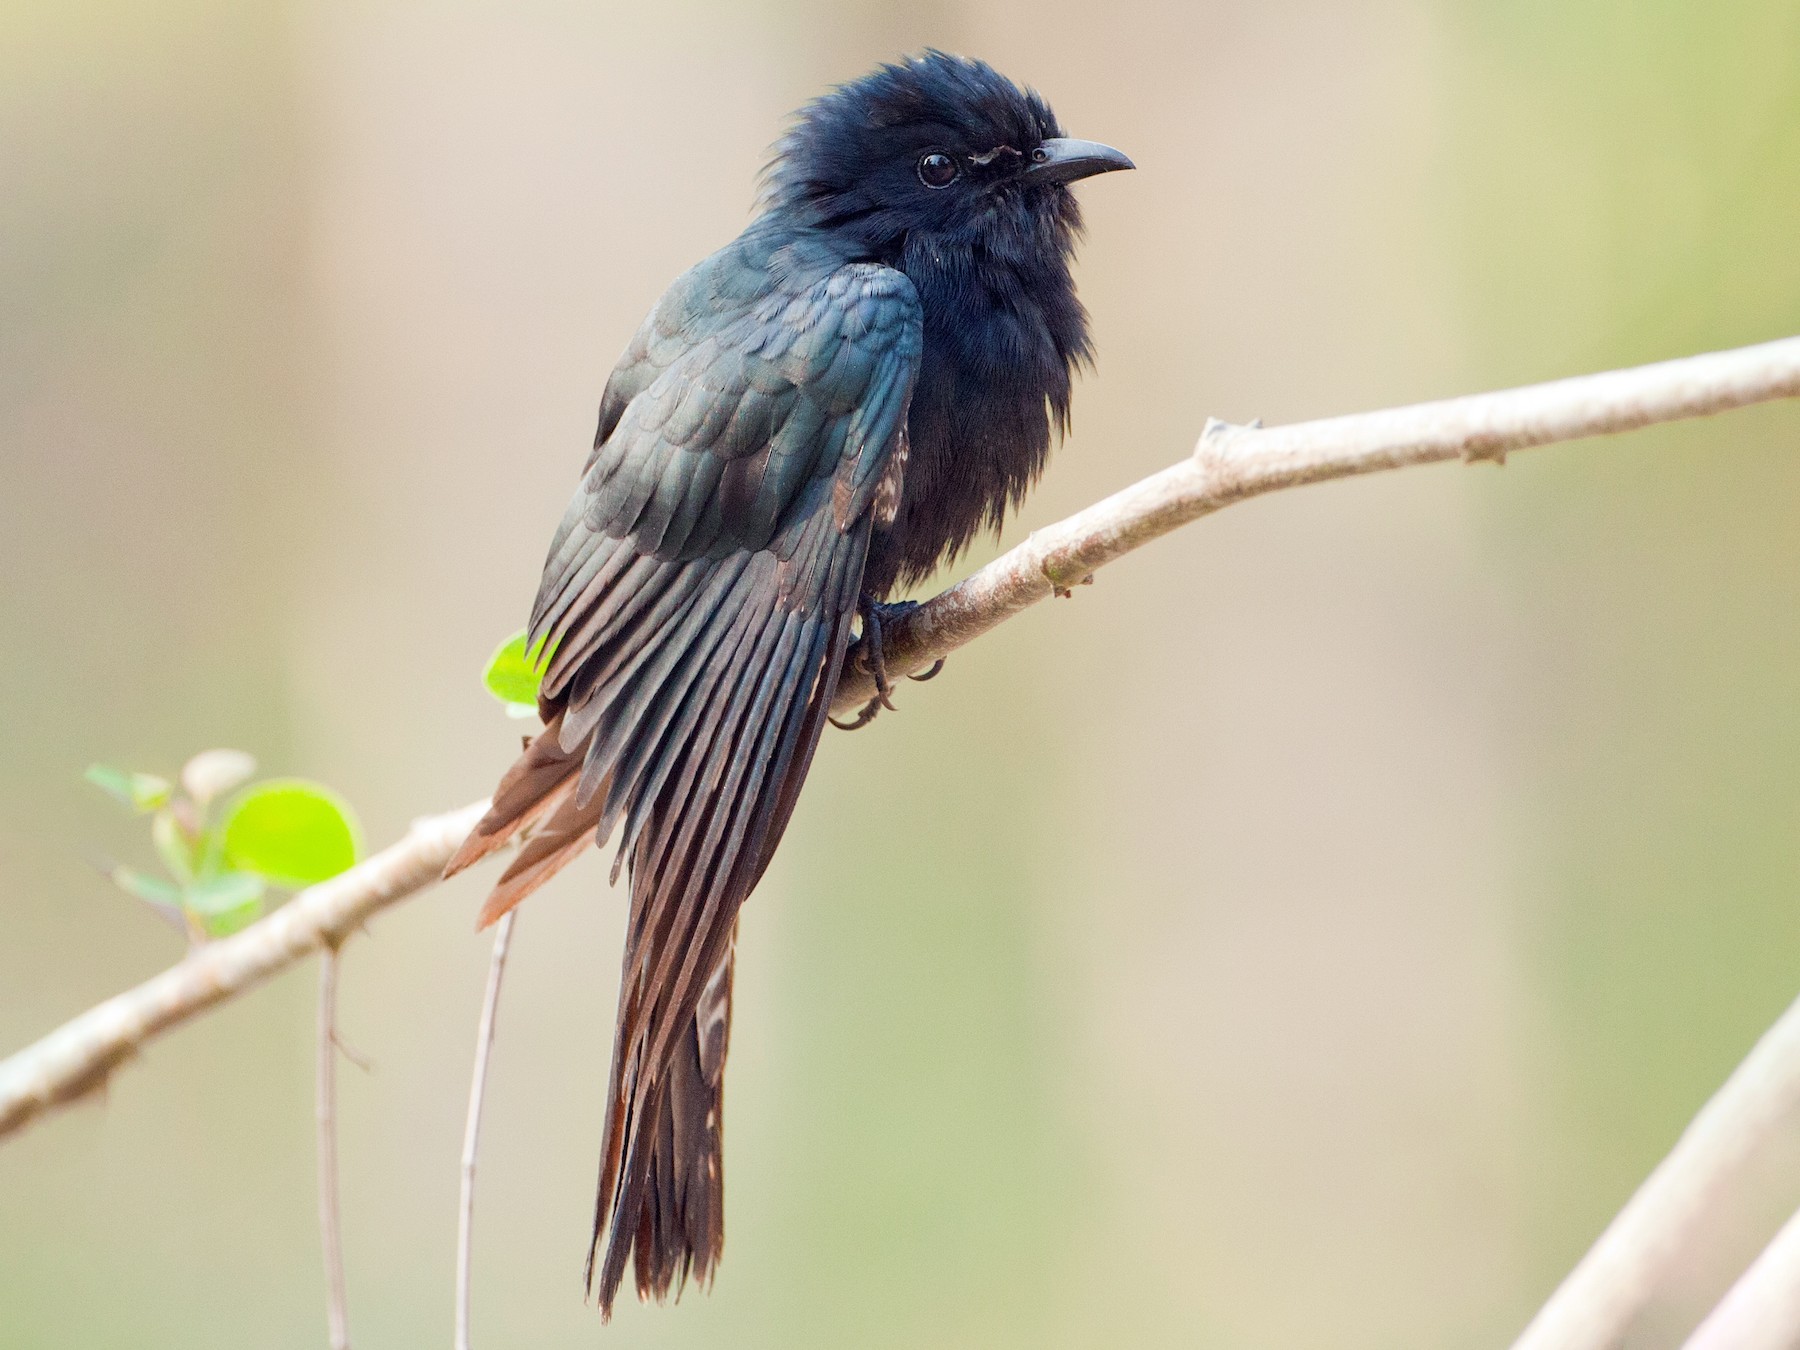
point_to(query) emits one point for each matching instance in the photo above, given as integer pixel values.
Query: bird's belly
(967, 460)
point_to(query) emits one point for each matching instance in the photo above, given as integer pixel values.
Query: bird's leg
(870, 655)
(873, 657)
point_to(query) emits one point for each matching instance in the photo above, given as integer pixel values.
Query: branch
(1762, 1310)
(331, 1227)
(1233, 463)
(484, 1049)
(1230, 464)
(78, 1056)
(1634, 1255)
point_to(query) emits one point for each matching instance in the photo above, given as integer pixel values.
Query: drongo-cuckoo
(818, 414)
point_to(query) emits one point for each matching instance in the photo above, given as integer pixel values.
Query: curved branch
(1762, 1310)
(1229, 465)
(77, 1057)
(1633, 1257)
(1232, 463)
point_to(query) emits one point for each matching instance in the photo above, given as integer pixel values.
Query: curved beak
(1063, 159)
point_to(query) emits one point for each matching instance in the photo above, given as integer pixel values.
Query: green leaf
(153, 890)
(178, 849)
(290, 832)
(225, 903)
(140, 791)
(513, 674)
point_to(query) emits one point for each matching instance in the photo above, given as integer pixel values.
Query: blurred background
(1307, 936)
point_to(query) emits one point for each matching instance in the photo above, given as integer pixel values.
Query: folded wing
(698, 600)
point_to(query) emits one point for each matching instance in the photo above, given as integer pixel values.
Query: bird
(818, 415)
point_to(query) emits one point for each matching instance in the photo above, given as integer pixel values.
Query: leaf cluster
(224, 845)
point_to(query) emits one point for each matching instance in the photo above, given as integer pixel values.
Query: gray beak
(1063, 159)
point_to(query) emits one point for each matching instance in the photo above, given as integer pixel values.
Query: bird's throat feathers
(924, 166)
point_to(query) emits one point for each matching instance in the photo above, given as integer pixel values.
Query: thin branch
(484, 1045)
(331, 1228)
(78, 1056)
(1762, 1310)
(1635, 1254)
(1232, 463)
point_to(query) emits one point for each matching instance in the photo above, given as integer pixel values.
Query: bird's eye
(1040, 156)
(937, 170)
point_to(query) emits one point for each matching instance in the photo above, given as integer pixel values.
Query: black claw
(870, 658)
(937, 668)
(863, 718)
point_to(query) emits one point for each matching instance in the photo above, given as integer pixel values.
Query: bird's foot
(869, 654)
(862, 719)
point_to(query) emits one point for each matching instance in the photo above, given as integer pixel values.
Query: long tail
(664, 1161)
(676, 1185)
(687, 697)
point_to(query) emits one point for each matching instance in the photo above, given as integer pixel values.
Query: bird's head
(937, 146)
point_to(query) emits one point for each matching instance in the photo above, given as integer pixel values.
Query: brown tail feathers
(662, 1168)
(536, 795)
(662, 1164)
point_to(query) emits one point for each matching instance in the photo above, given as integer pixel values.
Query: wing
(698, 600)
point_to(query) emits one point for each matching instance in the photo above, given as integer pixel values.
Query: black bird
(823, 411)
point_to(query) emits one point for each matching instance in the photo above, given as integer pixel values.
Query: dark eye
(1040, 156)
(937, 170)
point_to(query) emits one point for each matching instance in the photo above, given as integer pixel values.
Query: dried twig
(484, 1045)
(331, 1228)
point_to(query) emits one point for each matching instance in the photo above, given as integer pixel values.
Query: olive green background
(1306, 936)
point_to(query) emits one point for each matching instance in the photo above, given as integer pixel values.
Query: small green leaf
(290, 832)
(140, 791)
(225, 903)
(178, 849)
(153, 890)
(212, 773)
(513, 674)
